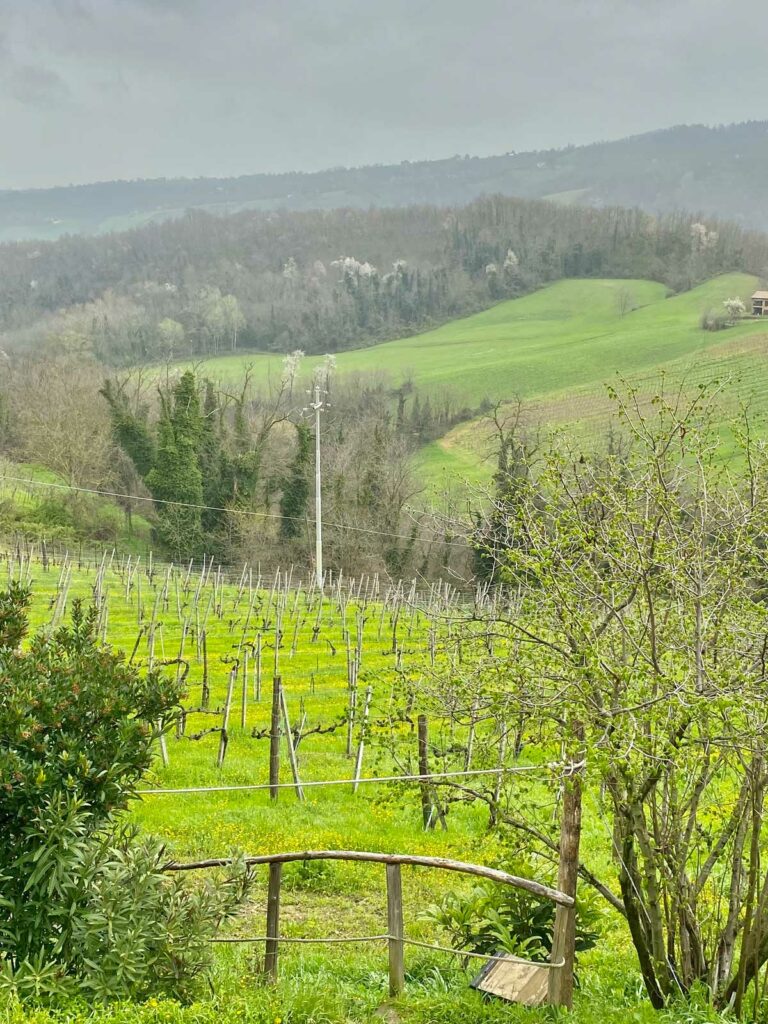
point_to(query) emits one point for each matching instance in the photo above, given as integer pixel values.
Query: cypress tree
(295, 497)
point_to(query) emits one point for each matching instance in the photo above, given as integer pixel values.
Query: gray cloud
(94, 89)
(35, 86)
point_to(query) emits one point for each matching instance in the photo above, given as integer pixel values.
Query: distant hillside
(325, 281)
(714, 171)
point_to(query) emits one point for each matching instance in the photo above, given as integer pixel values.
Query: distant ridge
(717, 171)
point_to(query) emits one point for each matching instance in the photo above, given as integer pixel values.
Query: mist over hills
(720, 171)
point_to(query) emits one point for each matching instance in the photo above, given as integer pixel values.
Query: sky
(92, 90)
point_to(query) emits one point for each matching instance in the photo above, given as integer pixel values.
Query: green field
(566, 335)
(553, 349)
(337, 983)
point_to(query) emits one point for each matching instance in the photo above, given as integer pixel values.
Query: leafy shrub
(85, 906)
(492, 917)
(74, 718)
(97, 915)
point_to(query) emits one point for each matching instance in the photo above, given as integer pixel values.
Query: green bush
(85, 906)
(492, 917)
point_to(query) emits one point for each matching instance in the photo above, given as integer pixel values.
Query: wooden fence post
(395, 929)
(274, 740)
(564, 933)
(273, 921)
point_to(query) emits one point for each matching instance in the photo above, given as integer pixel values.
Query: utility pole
(317, 405)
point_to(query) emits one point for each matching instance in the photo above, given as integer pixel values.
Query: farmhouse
(760, 304)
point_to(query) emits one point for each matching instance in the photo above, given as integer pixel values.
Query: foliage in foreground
(637, 643)
(86, 906)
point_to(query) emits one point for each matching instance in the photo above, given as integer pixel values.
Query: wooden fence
(560, 967)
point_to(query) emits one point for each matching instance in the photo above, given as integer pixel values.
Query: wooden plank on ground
(514, 980)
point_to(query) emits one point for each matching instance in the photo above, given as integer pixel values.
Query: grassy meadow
(30, 508)
(145, 615)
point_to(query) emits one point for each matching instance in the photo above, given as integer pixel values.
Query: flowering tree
(735, 308)
(291, 364)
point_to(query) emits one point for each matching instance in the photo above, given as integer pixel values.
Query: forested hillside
(324, 281)
(717, 171)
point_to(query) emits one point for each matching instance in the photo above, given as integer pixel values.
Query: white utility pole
(317, 405)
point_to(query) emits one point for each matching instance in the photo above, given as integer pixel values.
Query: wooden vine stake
(257, 670)
(292, 759)
(361, 743)
(244, 694)
(205, 696)
(274, 741)
(224, 740)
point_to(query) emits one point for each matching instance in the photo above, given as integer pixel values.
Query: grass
(327, 985)
(566, 335)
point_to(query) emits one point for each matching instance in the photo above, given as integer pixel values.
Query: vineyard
(307, 724)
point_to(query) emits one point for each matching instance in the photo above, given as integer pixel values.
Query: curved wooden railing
(395, 935)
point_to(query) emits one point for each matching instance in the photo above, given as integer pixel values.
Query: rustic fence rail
(561, 961)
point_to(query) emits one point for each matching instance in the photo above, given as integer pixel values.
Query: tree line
(720, 170)
(327, 280)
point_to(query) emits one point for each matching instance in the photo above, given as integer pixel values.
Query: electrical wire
(217, 508)
(517, 770)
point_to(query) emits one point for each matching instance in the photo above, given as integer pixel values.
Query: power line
(431, 777)
(216, 508)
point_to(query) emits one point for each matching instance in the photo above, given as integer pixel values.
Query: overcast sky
(98, 89)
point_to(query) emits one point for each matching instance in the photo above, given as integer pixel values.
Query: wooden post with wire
(395, 929)
(563, 956)
(273, 921)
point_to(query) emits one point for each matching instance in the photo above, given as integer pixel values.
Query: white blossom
(511, 262)
(353, 270)
(735, 308)
(291, 365)
(324, 372)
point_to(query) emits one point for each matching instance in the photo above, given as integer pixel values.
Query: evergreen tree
(175, 480)
(295, 497)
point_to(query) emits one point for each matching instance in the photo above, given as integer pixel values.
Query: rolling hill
(716, 171)
(554, 349)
